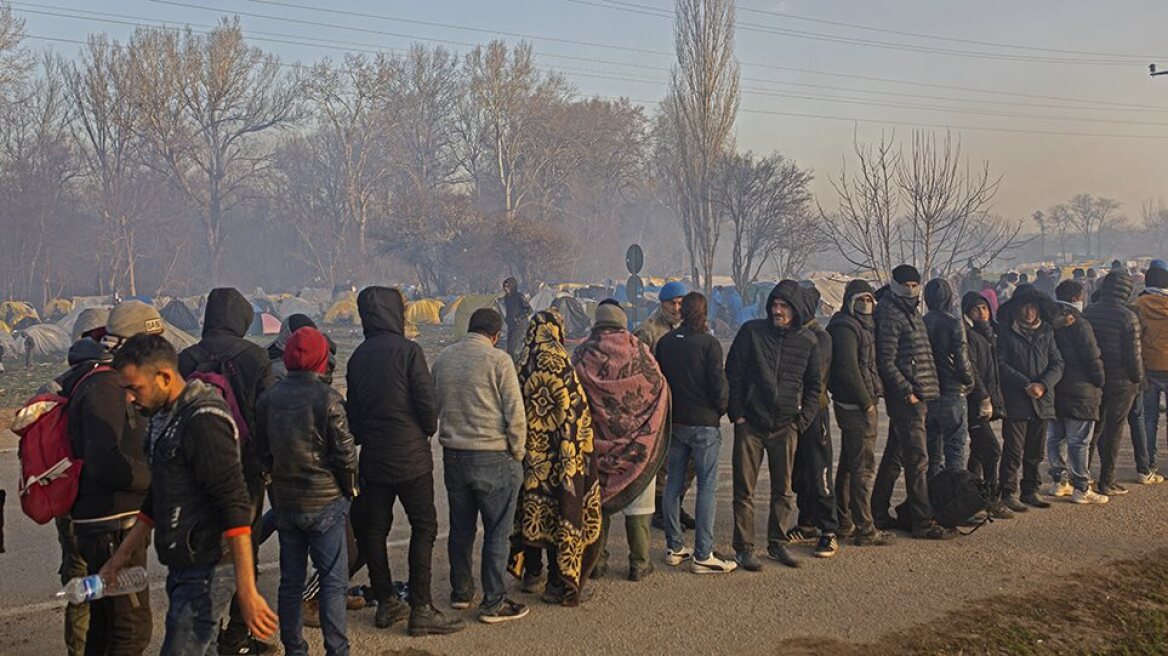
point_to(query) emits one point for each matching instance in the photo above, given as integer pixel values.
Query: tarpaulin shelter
(56, 309)
(426, 312)
(294, 305)
(450, 312)
(177, 338)
(344, 311)
(577, 324)
(177, 314)
(265, 323)
(16, 313)
(13, 349)
(467, 307)
(46, 340)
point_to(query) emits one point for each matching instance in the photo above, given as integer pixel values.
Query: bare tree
(15, 63)
(1092, 217)
(865, 227)
(1155, 216)
(700, 110)
(205, 100)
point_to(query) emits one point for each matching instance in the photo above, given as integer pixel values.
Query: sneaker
(504, 611)
(1014, 504)
(712, 565)
(460, 603)
(748, 560)
(310, 612)
(638, 574)
(1150, 478)
(876, 538)
(934, 531)
(1060, 489)
(427, 620)
(779, 552)
(248, 647)
(998, 510)
(1033, 500)
(391, 612)
(828, 546)
(802, 535)
(1088, 497)
(1113, 490)
(675, 558)
(534, 583)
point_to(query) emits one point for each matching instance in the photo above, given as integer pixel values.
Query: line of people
(546, 450)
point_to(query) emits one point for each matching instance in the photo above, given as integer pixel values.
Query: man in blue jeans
(691, 360)
(302, 437)
(482, 427)
(947, 423)
(1152, 308)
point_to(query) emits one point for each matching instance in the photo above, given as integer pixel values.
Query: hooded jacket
(982, 340)
(1026, 357)
(947, 337)
(811, 298)
(1152, 306)
(904, 356)
(1117, 330)
(774, 373)
(1080, 391)
(392, 407)
(854, 379)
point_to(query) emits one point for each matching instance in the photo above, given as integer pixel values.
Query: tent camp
(17, 313)
(293, 305)
(12, 348)
(177, 314)
(467, 307)
(344, 311)
(426, 312)
(450, 312)
(177, 338)
(56, 309)
(576, 321)
(265, 323)
(47, 340)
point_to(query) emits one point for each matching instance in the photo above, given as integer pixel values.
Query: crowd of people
(545, 448)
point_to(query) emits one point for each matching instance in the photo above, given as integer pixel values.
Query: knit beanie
(906, 273)
(610, 316)
(89, 320)
(1156, 277)
(1158, 264)
(130, 318)
(672, 290)
(307, 350)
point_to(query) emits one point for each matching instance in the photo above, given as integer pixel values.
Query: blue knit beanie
(1158, 264)
(672, 290)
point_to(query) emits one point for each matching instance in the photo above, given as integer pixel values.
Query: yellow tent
(4, 328)
(12, 312)
(344, 311)
(57, 309)
(426, 312)
(467, 307)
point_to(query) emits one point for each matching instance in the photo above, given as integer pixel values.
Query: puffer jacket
(947, 337)
(1026, 357)
(774, 373)
(854, 379)
(982, 339)
(303, 438)
(1117, 330)
(1080, 391)
(392, 406)
(904, 356)
(1152, 305)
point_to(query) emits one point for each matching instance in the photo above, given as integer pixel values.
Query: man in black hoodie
(775, 383)
(855, 388)
(946, 423)
(904, 358)
(1117, 329)
(518, 309)
(985, 401)
(393, 411)
(246, 366)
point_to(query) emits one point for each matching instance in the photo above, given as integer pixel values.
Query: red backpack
(49, 474)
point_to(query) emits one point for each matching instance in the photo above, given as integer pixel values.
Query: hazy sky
(1048, 116)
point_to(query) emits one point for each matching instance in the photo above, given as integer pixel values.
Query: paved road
(860, 595)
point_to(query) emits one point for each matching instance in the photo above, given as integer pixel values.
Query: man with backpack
(224, 356)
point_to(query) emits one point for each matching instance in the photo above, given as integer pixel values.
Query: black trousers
(1023, 446)
(857, 468)
(1117, 405)
(985, 451)
(417, 498)
(907, 450)
(120, 625)
(814, 491)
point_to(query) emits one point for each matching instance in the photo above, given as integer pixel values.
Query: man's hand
(912, 399)
(260, 619)
(986, 409)
(109, 571)
(1035, 390)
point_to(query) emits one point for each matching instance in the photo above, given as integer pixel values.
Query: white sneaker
(1151, 478)
(675, 558)
(712, 565)
(1060, 489)
(1090, 496)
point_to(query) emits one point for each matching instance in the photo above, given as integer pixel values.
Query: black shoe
(885, 523)
(802, 535)
(658, 521)
(845, 530)
(998, 510)
(534, 583)
(747, 560)
(977, 519)
(934, 531)
(1032, 499)
(1113, 490)
(637, 574)
(779, 552)
(876, 538)
(828, 546)
(427, 620)
(598, 571)
(504, 611)
(391, 612)
(248, 647)
(688, 523)
(1012, 502)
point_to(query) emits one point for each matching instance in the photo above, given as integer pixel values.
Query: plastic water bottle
(90, 588)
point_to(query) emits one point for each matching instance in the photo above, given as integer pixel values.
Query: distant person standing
(1152, 306)
(518, 310)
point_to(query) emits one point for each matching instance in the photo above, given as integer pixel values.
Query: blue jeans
(703, 444)
(1157, 387)
(199, 599)
(320, 536)
(1068, 441)
(1136, 424)
(481, 483)
(947, 427)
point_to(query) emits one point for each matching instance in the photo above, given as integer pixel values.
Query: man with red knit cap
(302, 437)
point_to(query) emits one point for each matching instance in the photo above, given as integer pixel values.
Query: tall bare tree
(865, 227)
(1092, 217)
(1155, 216)
(699, 113)
(15, 63)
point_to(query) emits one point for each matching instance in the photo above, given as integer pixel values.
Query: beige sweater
(480, 405)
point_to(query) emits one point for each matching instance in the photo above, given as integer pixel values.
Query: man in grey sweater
(482, 428)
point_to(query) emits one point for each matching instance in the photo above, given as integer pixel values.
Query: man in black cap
(904, 358)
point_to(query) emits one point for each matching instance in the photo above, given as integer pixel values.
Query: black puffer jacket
(854, 379)
(811, 298)
(904, 356)
(947, 337)
(982, 340)
(1026, 357)
(1080, 391)
(392, 407)
(1117, 330)
(774, 373)
(303, 437)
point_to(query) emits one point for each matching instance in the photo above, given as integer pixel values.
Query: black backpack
(956, 496)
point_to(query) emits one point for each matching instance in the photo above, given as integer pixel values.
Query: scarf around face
(630, 413)
(559, 503)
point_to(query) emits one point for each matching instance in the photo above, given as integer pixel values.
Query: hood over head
(86, 349)
(972, 300)
(789, 292)
(382, 310)
(227, 313)
(307, 350)
(939, 295)
(810, 307)
(852, 289)
(1117, 284)
(1048, 309)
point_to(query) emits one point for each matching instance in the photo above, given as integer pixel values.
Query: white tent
(48, 339)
